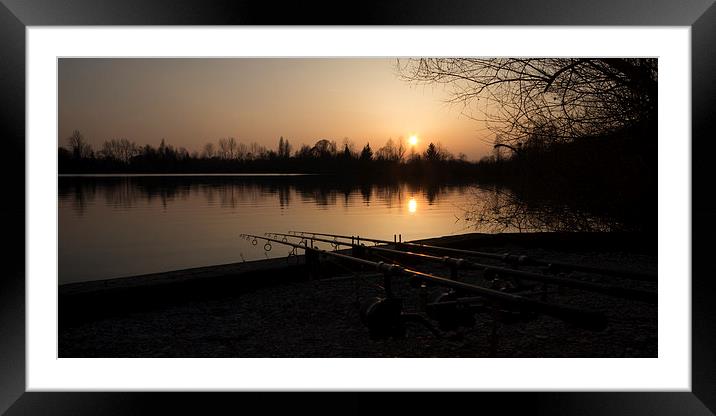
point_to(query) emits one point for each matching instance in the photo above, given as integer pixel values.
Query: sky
(189, 102)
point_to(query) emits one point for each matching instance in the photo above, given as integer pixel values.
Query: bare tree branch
(558, 98)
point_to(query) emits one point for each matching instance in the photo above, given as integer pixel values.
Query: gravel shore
(271, 309)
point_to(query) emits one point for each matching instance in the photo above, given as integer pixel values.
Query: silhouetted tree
(431, 153)
(232, 147)
(324, 148)
(182, 153)
(347, 152)
(209, 151)
(148, 152)
(443, 153)
(78, 146)
(241, 151)
(304, 152)
(227, 148)
(390, 152)
(367, 153)
(120, 150)
(255, 151)
(400, 151)
(414, 157)
(164, 151)
(284, 148)
(385, 152)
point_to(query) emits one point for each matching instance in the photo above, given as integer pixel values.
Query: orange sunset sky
(190, 102)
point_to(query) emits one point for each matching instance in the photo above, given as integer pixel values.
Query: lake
(114, 226)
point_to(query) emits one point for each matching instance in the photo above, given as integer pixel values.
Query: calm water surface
(113, 226)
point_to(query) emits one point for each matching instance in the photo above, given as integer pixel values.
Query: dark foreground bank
(271, 309)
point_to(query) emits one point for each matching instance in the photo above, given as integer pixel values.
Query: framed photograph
(405, 198)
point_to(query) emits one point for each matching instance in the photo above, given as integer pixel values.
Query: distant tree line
(227, 155)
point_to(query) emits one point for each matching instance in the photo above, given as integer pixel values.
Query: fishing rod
(506, 258)
(455, 263)
(584, 318)
(374, 240)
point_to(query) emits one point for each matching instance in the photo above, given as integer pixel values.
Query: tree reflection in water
(134, 225)
(496, 209)
(490, 208)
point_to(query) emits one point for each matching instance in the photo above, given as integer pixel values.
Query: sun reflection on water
(412, 205)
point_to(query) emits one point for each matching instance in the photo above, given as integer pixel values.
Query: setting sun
(413, 140)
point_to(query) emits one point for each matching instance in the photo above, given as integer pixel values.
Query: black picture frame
(15, 15)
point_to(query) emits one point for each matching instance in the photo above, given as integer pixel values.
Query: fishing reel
(383, 317)
(449, 312)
